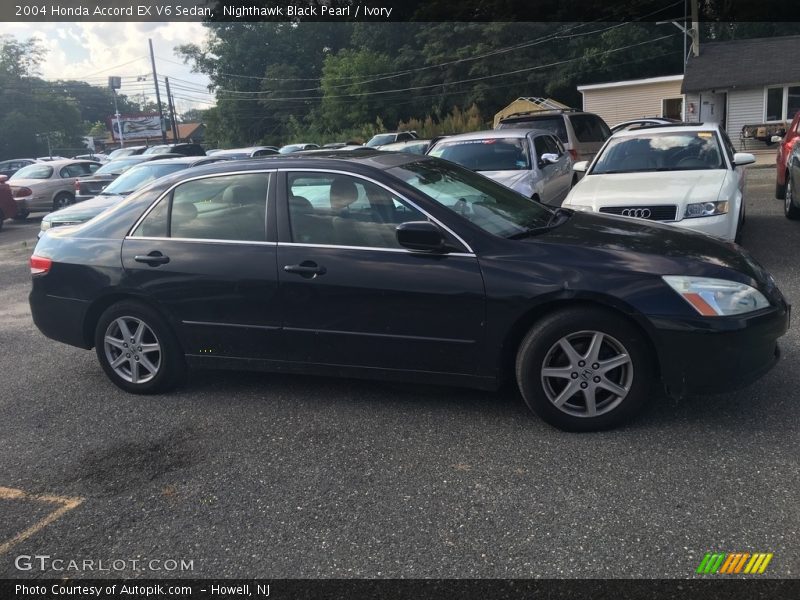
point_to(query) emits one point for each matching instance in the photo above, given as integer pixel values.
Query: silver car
(46, 186)
(531, 162)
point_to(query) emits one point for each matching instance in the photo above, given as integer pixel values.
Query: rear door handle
(308, 269)
(153, 259)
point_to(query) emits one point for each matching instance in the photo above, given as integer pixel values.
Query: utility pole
(158, 93)
(115, 83)
(171, 112)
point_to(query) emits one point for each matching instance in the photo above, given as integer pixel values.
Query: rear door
(351, 296)
(202, 254)
(589, 134)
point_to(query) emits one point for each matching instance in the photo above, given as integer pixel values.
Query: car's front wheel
(790, 208)
(584, 369)
(138, 350)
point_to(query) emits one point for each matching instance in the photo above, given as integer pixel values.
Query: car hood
(652, 188)
(83, 211)
(507, 178)
(620, 243)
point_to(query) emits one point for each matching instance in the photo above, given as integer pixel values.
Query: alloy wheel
(132, 349)
(587, 374)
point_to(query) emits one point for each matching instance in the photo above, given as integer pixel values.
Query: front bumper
(708, 356)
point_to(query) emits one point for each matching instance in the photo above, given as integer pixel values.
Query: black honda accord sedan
(393, 266)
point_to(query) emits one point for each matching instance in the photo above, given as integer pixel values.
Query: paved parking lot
(258, 475)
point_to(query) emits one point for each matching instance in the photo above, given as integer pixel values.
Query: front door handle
(153, 259)
(308, 269)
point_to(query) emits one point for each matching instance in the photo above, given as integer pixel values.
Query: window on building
(782, 103)
(672, 108)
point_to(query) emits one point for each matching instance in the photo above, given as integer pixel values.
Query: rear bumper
(60, 319)
(718, 355)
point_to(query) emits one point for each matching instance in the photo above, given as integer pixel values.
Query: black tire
(21, 215)
(620, 340)
(2, 220)
(790, 208)
(62, 200)
(780, 190)
(159, 370)
(740, 226)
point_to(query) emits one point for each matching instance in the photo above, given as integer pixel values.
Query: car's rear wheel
(138, 350)
(21, 215)
(790, 208)
(62, 200)
(584, 369)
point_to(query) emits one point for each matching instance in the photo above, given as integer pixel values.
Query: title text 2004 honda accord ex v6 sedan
(395, 266)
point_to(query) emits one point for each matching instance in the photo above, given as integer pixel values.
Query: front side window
(489, 154)
(660, 151)
(229, 207)
(487, 204)
(341, 210)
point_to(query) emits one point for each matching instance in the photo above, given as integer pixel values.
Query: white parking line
(67, 504)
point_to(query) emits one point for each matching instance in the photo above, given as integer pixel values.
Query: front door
(203, 255)
(350, 295)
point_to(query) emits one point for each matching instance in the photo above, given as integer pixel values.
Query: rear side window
(230, 207)
(589, 128)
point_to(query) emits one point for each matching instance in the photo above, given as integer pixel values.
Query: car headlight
(579, 207)
(717, 297)
(706, 209)
(45, 225)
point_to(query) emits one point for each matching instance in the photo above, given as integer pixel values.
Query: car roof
(363, 159)
(491, 134)
(534, 114)
(675, 127)
(179, 159)
(67, 161)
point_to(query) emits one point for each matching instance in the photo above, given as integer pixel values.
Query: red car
(8, 208)
(784, 151)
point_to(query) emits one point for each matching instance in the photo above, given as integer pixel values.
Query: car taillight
(40, 265)
(22, 191)
(77, 186)
(573, 153)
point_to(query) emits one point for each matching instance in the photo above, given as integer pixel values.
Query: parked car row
(462, 281)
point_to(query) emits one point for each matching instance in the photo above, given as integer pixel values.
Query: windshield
(660, 151)
(33, 172)
(118, 166)
(136, 177)
(492, 154)
(554, 125)
(379, 140)
(489, 205)
(157, 150)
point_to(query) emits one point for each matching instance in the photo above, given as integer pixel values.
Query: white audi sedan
(687, 175)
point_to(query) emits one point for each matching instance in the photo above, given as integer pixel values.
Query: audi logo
(639, 213)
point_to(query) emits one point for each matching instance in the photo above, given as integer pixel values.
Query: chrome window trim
(196, 178)
(470, 251)
(370, 248)
(200, 240)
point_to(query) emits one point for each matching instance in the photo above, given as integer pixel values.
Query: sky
(93, 51)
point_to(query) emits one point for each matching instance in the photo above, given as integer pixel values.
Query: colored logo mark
(734, 562)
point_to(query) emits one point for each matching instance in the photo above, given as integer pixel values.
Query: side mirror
(776, 139)
(421, 235)
(743, 158)
(580, 166)
(549, 158)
